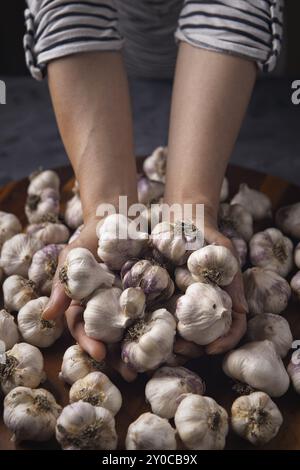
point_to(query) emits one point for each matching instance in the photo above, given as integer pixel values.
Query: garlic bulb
(241, 249)
(257, 203)
(31, 414)
(275, 328)
(76, 234)
(49, 232)
(155, 165)
(73, 214)
(288, 220)
(295, 284)
(109, 311)
(119, 240)
(152, 278)
(167, 387)
(17, 253)
(294, 370)
(258, 365)
(175, 241)
(9, 226)
(42, 206)
(17, 291)
(43, 267)
(201, 423)
(41, 180)
(149, 192)
(150, 217)
(235, 219)
(270, 249)
(24, 366)
(96, 389)
(297, 256)
(213, 264)
(265, 291)
(203, 313)
(82, 426)
(183, 278)
(224, 190)
(34, 329)
(9, 334)
(149, 342)
(150, 432)
(81, 274)
(76, 364)
(256, 417)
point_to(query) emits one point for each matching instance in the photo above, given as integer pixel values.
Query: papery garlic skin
(256, 417)
(43, 180)
(288, 220)
(43, 267)
(167, 387)
(17, 291)
(224, 190)
(270, 249)
(257, 203)
(9, 226)
(258, 365)
(81, 274)
(295, 284)
(275, 328)
(154, 166)
(31, 414)
(213, 264)
(265, 291)
(201, 423)
(183, 278)
(9, 333)
(297, 256)
(82, 426)
(203, 313)
(17, 253)
(235, 219)
(34, 329)
(42, 206)
(149, 192)
(153, 279)
(109, 311)
(76, 364)
(76, 234)
(150, 432)
(149, 343)
(49, 232)
(119, 240)
(74, 214)
(294, 370)
(96, 389)
(23, 366)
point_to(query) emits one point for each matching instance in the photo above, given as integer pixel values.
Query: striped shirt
(148, 31)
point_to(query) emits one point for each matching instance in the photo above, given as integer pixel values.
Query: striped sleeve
(56, 28)
(246, 28)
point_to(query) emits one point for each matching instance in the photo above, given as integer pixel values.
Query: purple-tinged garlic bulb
(150, 432)
(17, 253)
(295, 284)
(17, 291)
(9, 226)
(294, 370)
(288, 220)
(49, 232)
(149, 192)
(40, 180)
(235, 220)
(41, 206)
(257, 203)
(43, 267)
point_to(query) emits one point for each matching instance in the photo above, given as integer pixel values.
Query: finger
(114, 359)
(229, 341)
(94, 348)
(187, 348)
(236, 292)
(58, 302)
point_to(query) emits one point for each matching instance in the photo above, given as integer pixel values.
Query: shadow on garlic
(31, 414)
(167, 387)
(154, 166)
(295, 284)
(49, 232)
(82, 426)
(76, 364)
(234, 219)
(40, 180)
(41, 206)
(17, 291)
(183, 278)
(257, 203)
(34, 329)
(294, 370)
(258, 365)
(150, 432)
(288, 220)
(256, 418)
(149, 192)
(43, 267)
(17, 253)
(9, 226)
(201, 423)
(9, 333)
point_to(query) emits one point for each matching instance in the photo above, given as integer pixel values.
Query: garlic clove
(17, 291)
(49, 232)
(270, 249)
(43, 267)
(150, 432)
(41, 180)
(74, 214)
(235, 220)
(9, 333)
(265, 291)
(82, 426)
(76, 364)
(257, 203)
(288, 220)
(224, 190)
(256, 417)
(167, 387)
(258, 365)
(132, 302)
(9, 226)
(96, 388)
(34, 329)
(44, 206)
(275, 328)
(155, 165)
(295, 284)
(17, 253)
(183, 278)
(201, 423)
(149, 192)
(213, 264)
(294, 370)
(203, 313)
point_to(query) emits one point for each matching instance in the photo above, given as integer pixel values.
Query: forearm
(210, 97)
(91, 102)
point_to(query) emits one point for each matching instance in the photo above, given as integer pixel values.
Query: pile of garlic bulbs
(126, 290)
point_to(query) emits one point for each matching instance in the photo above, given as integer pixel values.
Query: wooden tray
(12, 198)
